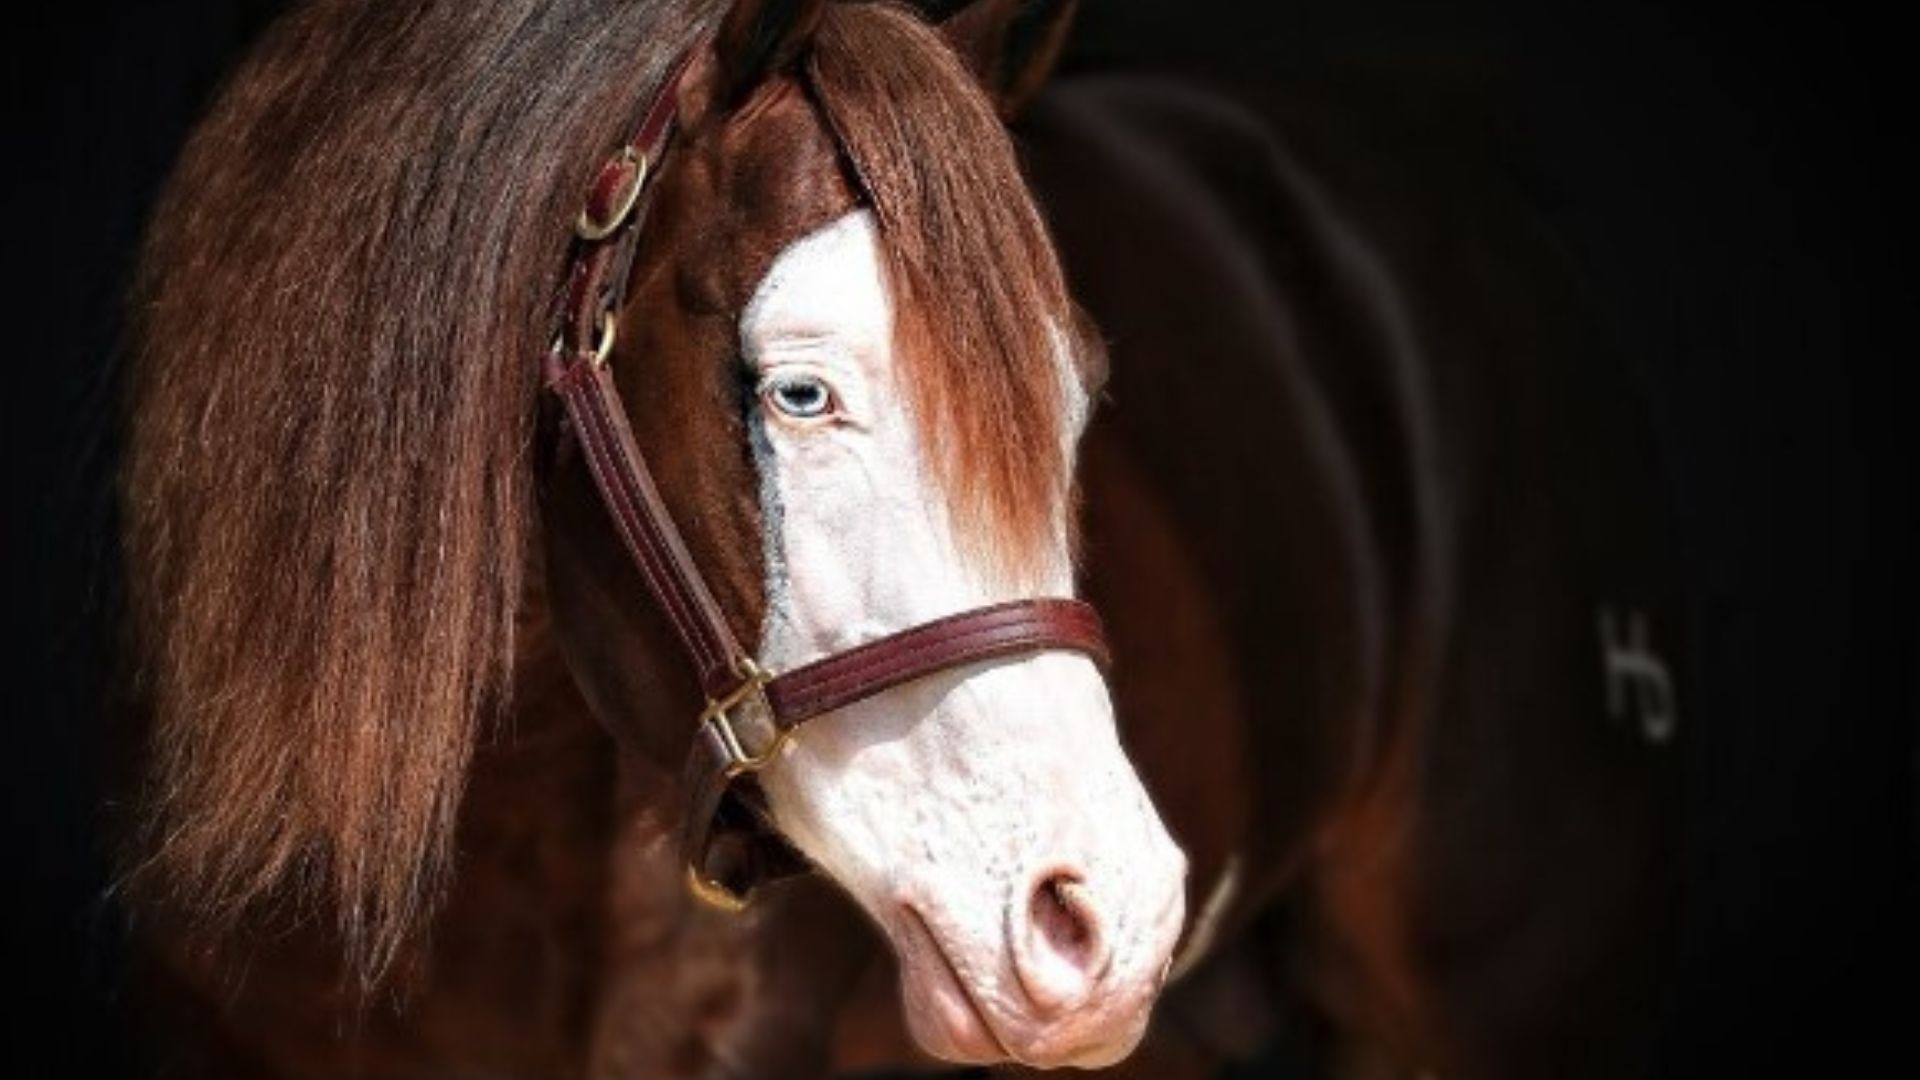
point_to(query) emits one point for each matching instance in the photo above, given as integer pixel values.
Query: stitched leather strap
(750, 714)
(725, 746)
(576, 370)
(981, 634)
(645, 528)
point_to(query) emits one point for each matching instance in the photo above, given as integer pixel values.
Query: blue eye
(802, 397)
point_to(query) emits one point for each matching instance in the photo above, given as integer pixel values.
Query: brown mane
(330, 499)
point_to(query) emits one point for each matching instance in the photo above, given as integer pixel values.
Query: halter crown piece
(750, 712)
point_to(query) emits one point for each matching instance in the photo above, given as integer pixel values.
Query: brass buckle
(603, 341)
(721, 715)
(743, 759)
(594, 229)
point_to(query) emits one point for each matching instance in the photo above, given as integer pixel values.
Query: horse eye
(802, 397)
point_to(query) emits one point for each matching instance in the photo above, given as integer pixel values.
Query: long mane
(328, 500)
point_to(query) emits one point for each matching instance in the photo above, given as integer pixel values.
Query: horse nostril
(1063, 952)
(1062, 918)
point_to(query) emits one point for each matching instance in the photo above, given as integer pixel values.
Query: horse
(414, 715)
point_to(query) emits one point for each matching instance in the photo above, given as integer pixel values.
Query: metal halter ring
(719, 714)
(603, 341)
(634, 163)
(715, 895)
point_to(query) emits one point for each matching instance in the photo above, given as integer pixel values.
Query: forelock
(979, 297)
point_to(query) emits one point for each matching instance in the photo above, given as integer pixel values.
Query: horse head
(847, 345)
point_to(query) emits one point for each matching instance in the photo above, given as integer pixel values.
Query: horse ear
(1012, 45)
(760, 37)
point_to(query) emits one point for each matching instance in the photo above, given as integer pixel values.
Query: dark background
(1729, 183)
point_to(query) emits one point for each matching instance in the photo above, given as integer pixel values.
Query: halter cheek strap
(750, 712)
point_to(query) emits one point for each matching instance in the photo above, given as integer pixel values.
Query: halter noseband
(750, 712)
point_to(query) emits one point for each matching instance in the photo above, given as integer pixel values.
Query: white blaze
(942, 806)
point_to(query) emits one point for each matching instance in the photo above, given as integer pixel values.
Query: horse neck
(1250, 484)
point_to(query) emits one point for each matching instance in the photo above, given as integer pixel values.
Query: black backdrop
(1728, 183)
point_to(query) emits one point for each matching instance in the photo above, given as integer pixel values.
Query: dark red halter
(750, 712)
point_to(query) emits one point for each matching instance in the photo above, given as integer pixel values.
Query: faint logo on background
(1639, 684)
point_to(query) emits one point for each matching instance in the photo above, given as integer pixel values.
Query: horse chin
(947, 1020)
(968, 1005)
(941, 1012)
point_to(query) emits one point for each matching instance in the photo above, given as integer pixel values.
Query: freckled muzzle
(990, 823)
(1068, 975)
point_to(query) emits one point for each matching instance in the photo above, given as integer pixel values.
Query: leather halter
(750, 712)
